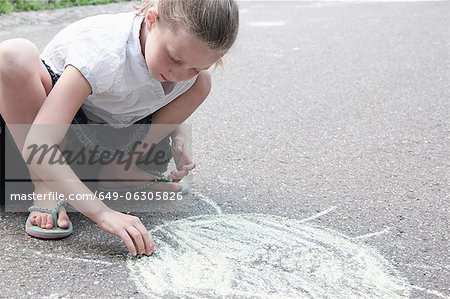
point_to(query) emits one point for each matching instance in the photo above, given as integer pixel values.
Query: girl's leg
(174, 113)
(24, 86)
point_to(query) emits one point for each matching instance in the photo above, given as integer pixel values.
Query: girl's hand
(183, 160)
(129, 228)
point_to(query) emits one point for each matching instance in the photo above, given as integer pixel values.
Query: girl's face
(174, 57)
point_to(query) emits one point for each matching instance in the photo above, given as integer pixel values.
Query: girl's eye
(176, 61)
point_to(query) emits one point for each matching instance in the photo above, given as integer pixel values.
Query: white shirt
(106, 49)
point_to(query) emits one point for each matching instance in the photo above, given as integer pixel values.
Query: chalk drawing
(430, 292)
(261, 256)
(427, 267)
(209, 201)
(318, 215)
(381, 232)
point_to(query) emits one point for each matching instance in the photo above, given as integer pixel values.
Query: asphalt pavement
(320, 106)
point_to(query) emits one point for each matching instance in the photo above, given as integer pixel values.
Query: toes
(178, 187)
(49, 221)
(63, 219)
(174, 187)
(43, 221)
(170, 187)
(33, 219)
(38, 220)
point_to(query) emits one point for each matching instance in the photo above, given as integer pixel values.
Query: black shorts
(99, 138)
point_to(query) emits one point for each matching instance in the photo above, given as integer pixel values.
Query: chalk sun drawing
(261, 256)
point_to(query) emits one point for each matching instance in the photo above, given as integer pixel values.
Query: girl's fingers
(188, 167)
(128, 242)
(148, 241)
(137, 238)
(178, 175)
(177, 144)
(181, 173)
(174, 173)
(178, 149)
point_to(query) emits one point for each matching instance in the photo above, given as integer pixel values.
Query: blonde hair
(215, 22)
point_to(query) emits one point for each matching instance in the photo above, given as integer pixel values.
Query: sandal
(48, 233)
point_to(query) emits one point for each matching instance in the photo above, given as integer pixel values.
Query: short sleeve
(96, 46)
(98, 66)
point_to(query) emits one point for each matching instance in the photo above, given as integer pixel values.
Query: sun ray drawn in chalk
(430, 292)
(375, 234)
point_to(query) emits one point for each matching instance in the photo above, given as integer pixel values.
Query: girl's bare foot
(45, 220)
(115, 176)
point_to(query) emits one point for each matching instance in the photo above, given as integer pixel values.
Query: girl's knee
(202, 86)
(18, 58)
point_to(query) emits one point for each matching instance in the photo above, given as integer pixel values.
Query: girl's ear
(151, 16)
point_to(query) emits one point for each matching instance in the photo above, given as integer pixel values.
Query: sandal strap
(163, 179)
(53, 212)
(155, 172)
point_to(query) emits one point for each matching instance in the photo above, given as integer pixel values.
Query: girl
(117, 69)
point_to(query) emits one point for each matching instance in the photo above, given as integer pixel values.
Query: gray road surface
(320, 105)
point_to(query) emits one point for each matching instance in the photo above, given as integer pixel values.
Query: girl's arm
(180, 153)
(48, 129)
(167, 121)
